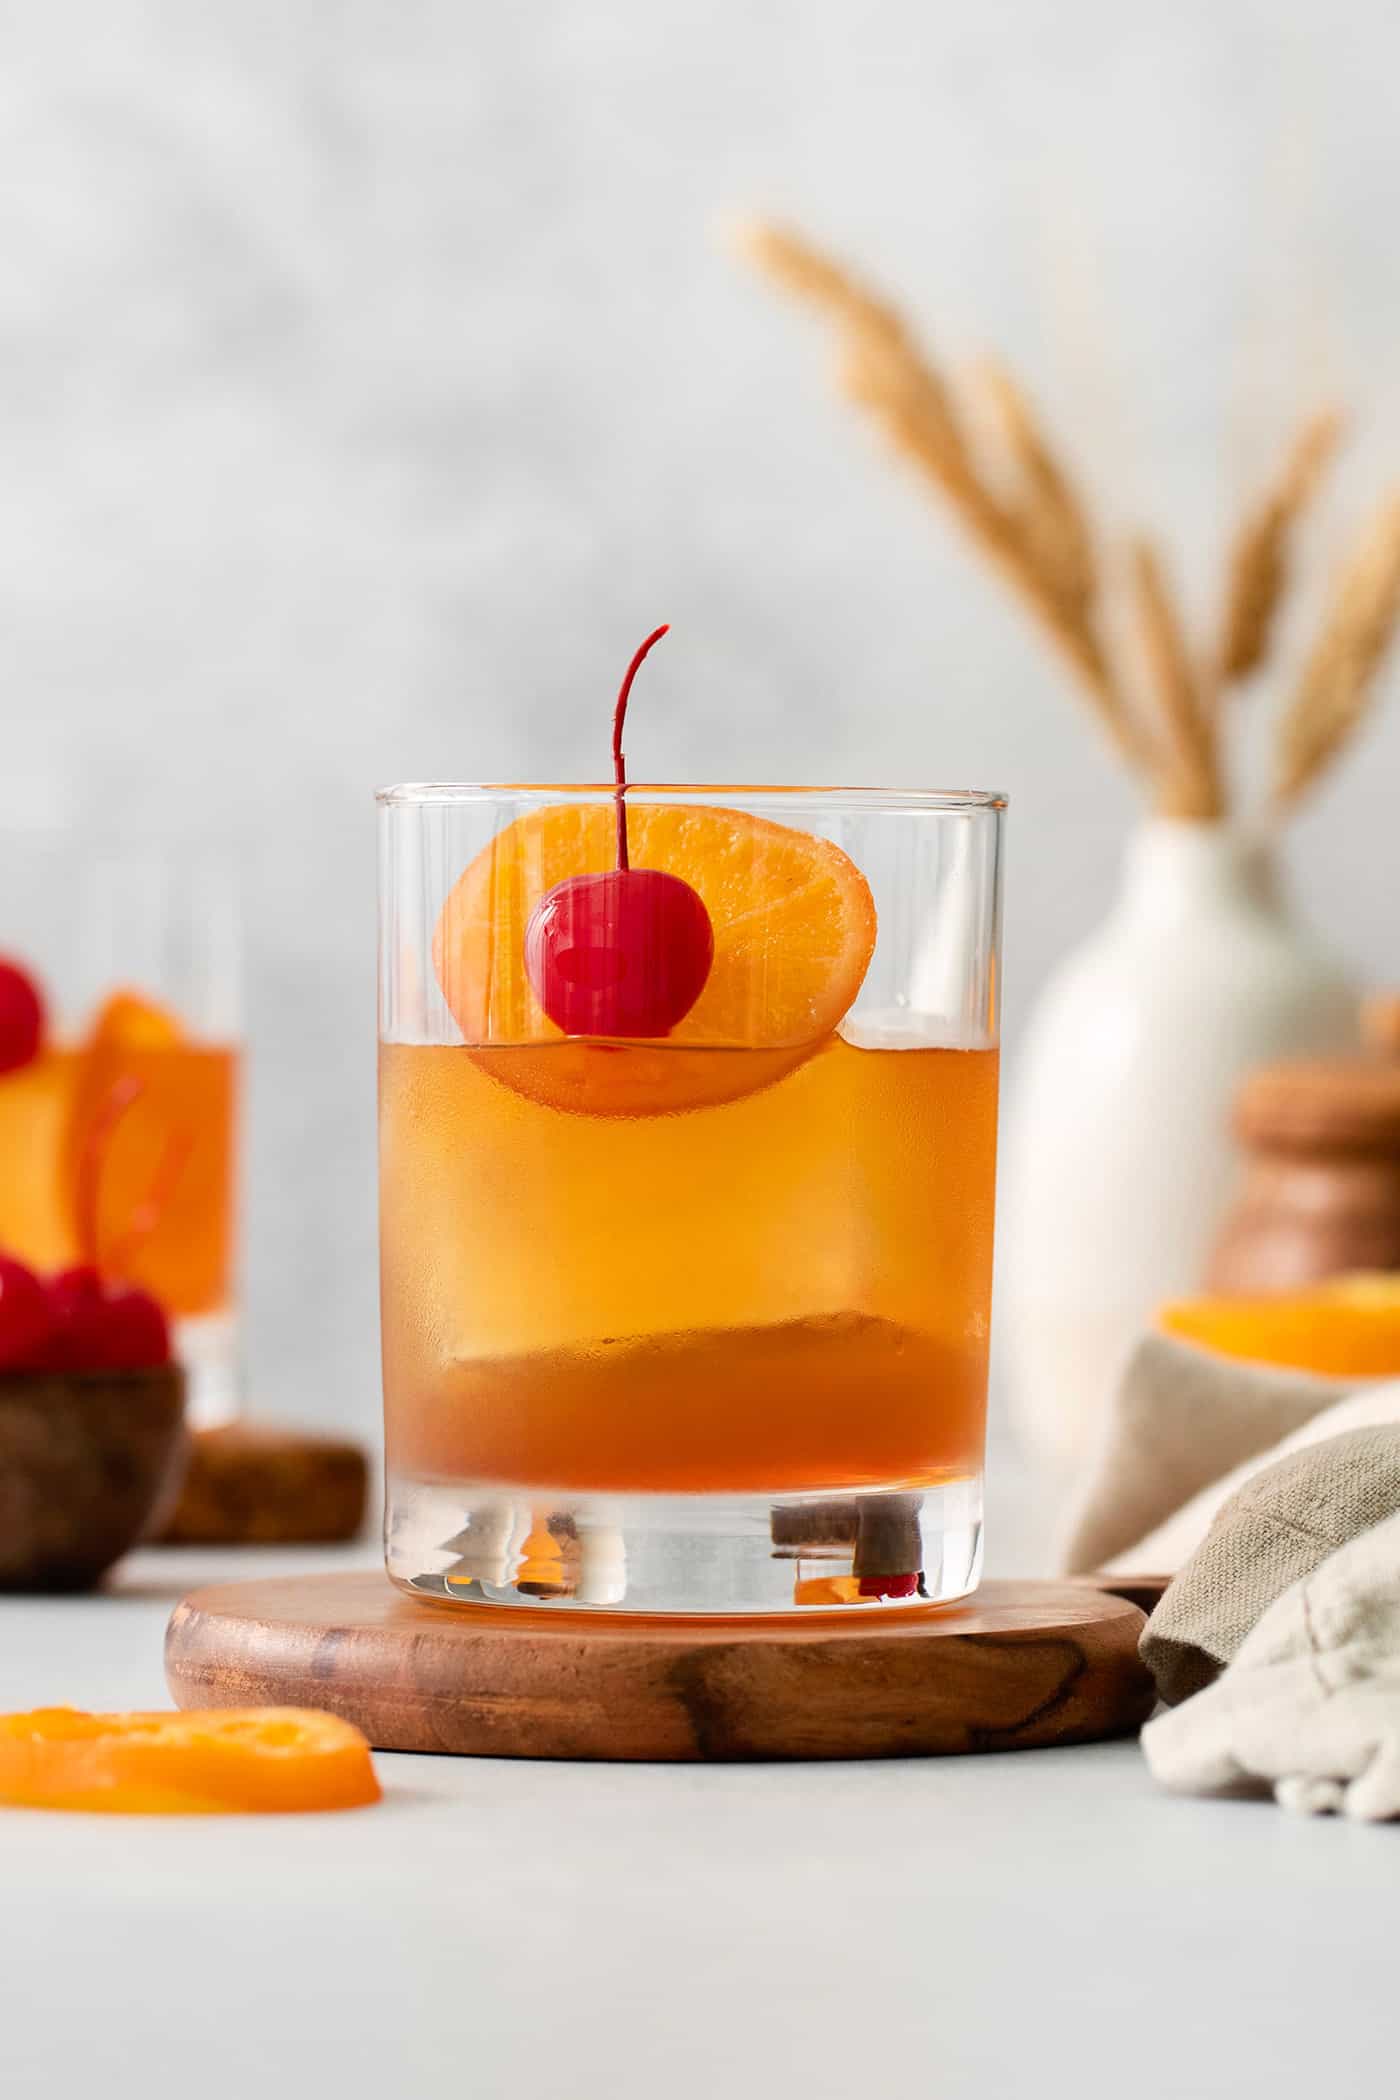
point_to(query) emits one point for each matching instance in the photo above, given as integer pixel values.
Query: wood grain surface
(1020, 1666)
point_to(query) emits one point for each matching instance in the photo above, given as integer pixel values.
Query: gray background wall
(370, 381)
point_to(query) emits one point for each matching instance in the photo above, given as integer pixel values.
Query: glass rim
(418, 793)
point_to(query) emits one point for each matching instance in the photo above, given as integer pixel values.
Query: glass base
(208, 1349)
(710, 1554)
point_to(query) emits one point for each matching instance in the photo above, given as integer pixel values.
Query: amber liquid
(786, 1292)
(174, 1140)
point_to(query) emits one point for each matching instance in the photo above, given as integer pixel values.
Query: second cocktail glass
(118, 1118)
(695, 1321)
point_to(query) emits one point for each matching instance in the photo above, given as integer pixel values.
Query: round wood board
(1020, 1666)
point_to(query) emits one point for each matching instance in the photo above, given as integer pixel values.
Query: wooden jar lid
(1342, 1104)
(1380, 1023)
(258, 1484)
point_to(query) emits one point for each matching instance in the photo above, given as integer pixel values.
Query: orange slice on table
(269, 1760)
(1346, 1328)
(794, 931)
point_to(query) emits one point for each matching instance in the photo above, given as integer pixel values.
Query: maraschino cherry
(73, 1323)
(21, 1017)
(135, 1332)
(25, 1317)
(624, 953)
(76, 1304)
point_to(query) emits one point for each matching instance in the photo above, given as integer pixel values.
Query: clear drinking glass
(118, 1136)
(695, 1322)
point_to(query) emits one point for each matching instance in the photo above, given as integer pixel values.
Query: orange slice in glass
(128, 1042)
(127, 1021)
(146, 1161)
(794, 930)
(266, 1760)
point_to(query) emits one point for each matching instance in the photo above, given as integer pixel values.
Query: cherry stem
(619, 717)
(120, 1098)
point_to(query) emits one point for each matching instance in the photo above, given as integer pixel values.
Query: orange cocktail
(118, 1094)
(785, 1292)
(154, 1207)
(117, 1150)
(688, 1136)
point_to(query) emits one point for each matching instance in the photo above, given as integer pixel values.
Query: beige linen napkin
(1171, 1544)
(1186, 1427)
(1310, 1704)
(1280, 1525)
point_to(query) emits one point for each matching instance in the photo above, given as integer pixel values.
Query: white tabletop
(993, 1927)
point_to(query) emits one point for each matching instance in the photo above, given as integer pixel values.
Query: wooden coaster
(1022, 1665)
(253, 1484)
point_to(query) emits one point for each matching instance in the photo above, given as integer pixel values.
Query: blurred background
(374, 378)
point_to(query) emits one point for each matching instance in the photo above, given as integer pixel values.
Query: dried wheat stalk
(1339, 678)
(1027, 517)
(1051, 513)
(885, 370)
(1190, 786)
(1257, 572)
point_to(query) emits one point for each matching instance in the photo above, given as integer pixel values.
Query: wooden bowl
(86, 1460)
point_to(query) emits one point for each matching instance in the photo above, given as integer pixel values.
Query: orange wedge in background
(148, 1153)
(127, 1021)
(269, 1760)
(127, 1038)
(1346, 1328)
(794, 929)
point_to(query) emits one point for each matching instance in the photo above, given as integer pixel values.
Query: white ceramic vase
(1118, 1160)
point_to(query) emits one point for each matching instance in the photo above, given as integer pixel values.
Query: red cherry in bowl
(92, 1329)
(76, 1309)
(26, 1316)
(21, 1017)
(626, 952)
(134, 1334)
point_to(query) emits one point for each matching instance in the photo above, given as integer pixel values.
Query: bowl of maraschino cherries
(91, 1409)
